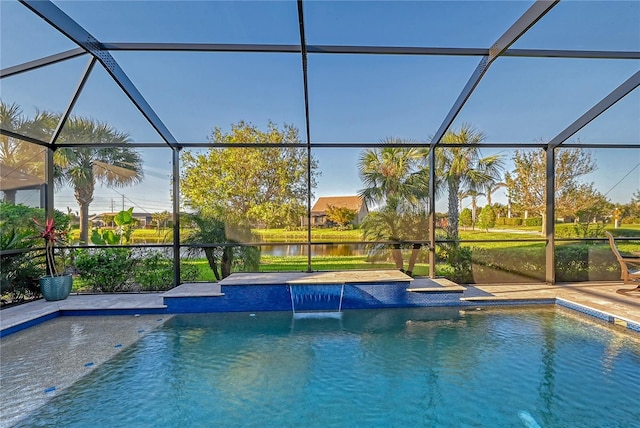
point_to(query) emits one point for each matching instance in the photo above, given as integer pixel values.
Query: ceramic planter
(56, 287)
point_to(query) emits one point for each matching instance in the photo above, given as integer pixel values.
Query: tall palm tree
(491, 187)
(160, 218)
(474, 203)
(463, 168)
(397, 182)
(392, 175)
(83, 167)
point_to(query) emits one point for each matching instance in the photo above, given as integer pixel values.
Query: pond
(317, 250)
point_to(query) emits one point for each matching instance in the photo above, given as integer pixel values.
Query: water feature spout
(316, 301)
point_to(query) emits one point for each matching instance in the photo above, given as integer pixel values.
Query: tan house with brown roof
(97, 220)
(320, 208)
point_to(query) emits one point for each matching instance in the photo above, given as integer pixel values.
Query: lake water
(316, 250)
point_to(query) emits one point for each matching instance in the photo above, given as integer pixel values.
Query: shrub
(585, 262)
(20, 218)
(19, 272)
(459, 258)
(573, 263)
(580, 230)
(513, 221)
(466, 218)
(106, 269)
(189, 272)
(533, 221)
(519, 221)
(487, 218)
(508, 265)
(19, 275)
(155, 272)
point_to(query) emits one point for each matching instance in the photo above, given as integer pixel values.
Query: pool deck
(600, 296)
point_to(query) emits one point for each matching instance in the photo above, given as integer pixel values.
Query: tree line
(268, 185)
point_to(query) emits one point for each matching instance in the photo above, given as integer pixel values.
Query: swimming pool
(397, 367)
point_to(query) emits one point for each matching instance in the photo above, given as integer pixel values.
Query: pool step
(442, 285)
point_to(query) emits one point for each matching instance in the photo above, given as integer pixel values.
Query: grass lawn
(165, 235)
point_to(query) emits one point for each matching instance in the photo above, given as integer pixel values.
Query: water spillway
(316, 300)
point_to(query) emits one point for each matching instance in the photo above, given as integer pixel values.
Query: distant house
(97, 220)
(320, 208)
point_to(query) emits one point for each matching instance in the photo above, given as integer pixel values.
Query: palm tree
(474, 203)
(463, 168)
(160, 218)
(396, 181)
(491, 187)
(17, 156)
(211, 230)
(83, 167)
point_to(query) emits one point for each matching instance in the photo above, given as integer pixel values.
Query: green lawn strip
(204, 271)
(520, 238)
(299, 263)
(165, 236)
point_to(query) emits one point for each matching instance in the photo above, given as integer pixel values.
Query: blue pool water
(381, 368)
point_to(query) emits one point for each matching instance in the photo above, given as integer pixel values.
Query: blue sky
(353, 98)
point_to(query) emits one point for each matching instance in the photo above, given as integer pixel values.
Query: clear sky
(353, 98)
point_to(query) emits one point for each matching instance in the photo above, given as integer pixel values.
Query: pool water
(402, 367)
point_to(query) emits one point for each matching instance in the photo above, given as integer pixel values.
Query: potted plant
(53, 286)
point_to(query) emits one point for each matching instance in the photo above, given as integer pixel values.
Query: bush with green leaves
(508, 264)
(573, 263)
(487, 218)
(154, 271)
(459, 260)
(106, 269)
(466, 218)
(20, 218)
(580, 230)
(533, 221)
(122, 235)
(586, 262)
(509, 221)
(223, 258)
(19, 271)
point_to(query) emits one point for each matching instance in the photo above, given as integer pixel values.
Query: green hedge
(105, 269)
(573, 263)
(519, 221)
(108, 269)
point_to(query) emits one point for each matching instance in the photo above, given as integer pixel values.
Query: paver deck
(20, 314)
(598, 296)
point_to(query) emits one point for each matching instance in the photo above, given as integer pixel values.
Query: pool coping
(599, 314)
